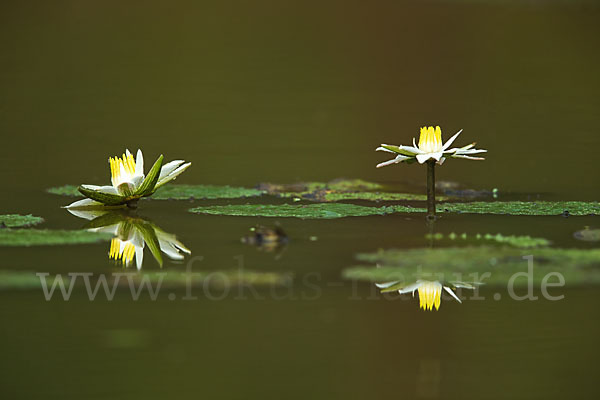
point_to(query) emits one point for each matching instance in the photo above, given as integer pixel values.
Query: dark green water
(284, 91)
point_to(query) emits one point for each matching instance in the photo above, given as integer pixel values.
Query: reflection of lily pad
(512, 240)
(316, 211)
(181, 192)
(223, 278)
(40, 237)
(24, 280)
(16, 220)
(523, 207)
(576, 265)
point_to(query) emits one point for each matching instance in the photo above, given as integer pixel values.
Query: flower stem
(431, 189)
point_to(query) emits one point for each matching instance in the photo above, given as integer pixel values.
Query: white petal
(104, 189)
(449, 141)
(169, 167)
(468, 157)
(127, 153)
(386, 284)
(410, 288)
(421, 158)
(396, 160)
(441, 161)
(139, 257)
(172, 175)
(447, 289)
(139, 164)
(437, 155)
(84, 203)
(412, 149)
(384, 149)
(470, 151)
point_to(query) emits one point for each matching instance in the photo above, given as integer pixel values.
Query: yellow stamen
(430, 139)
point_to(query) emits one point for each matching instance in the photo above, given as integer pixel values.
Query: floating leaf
(339, 190)
(16, 220)
(576, 265)
(316, 211)
(523, 242)
(39, 237)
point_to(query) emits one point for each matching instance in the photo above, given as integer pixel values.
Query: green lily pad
(523, 242)
(339, 190)
(313, 211)
(469, 263)
(42, 237)
(180, 192)
(16, 220)
(183, 192)
(523, 207)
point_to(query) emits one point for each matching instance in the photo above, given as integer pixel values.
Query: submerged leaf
(40, 237)
(16, 220)
(314, 211)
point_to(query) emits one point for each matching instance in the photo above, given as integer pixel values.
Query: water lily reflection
(430, 292)
(131, 235)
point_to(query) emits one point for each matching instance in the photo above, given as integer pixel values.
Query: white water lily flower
(430, 148)
(129, 183)
(430, 292)
(131, 235)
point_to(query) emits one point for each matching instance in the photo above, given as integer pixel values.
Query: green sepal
(104, 198)
(147, 186)
(395, 287)
(148, 233)
(398, 150)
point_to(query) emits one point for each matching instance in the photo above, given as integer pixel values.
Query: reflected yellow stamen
(124, 256)
(430, 295)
